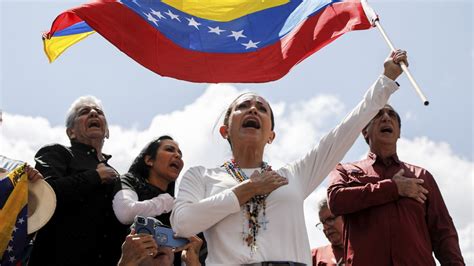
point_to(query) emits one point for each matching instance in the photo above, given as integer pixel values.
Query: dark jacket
(83, 229)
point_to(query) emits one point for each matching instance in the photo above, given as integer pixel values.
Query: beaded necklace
(252, 207)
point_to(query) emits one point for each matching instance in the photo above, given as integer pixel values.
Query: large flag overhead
(208, 40)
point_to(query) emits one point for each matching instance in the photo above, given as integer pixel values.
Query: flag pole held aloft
(374, 19)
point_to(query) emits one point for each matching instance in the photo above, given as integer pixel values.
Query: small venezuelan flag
(13, 215)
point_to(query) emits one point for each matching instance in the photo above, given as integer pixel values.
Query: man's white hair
(78, 104)
(323, 204)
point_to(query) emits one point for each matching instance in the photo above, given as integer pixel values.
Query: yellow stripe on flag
(222, 10)
(55, 46)
(14, 204)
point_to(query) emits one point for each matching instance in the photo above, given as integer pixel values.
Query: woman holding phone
(148, 187)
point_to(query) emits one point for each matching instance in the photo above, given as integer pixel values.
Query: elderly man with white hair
(83, 229)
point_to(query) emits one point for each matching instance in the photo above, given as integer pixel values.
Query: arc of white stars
(250, 44)
(158, 14)
(172, 16)
(237, 35)
(151, 18)
(193, 23)
(215, 30)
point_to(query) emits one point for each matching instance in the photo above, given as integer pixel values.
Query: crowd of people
(379, 211)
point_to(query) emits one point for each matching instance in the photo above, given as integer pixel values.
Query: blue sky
(438, 35)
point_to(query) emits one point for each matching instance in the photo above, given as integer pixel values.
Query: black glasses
(328, 221)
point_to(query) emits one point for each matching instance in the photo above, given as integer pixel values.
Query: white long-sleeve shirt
(126, 205)
(206, 203)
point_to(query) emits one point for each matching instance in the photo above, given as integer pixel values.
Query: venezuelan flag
(13, 220)
(208, 40)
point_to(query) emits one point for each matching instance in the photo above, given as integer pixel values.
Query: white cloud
(298, 126)
(301, 126)
(22, 136)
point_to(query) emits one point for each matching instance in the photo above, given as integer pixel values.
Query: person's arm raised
(315, 166)
(392, 67)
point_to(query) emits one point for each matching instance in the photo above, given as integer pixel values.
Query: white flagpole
(374, 19)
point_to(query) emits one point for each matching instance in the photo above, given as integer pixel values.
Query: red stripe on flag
(139, 40)
(61, 22)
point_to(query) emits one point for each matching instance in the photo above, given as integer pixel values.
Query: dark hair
(139, 168)
(396, 113)
(229, 111)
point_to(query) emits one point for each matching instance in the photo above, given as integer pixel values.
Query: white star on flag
(172, 16)
(250, 44)
(9, 248)
(215, 30)
(136, 3)
(21, 220)
(151, 18)
(158, 14)
(12, 258)
(237, 35)
(193, 23)
(15, 228)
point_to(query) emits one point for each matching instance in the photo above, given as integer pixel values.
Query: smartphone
(163, 235)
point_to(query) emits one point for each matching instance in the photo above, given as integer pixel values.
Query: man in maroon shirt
(393, 211)
(332, 226)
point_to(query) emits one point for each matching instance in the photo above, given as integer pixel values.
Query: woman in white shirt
(148, 187)
(250, 213)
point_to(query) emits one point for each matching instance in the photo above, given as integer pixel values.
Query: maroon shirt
(381, 228)
(327, 256)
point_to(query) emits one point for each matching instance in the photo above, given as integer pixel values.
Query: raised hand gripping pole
(374, 19)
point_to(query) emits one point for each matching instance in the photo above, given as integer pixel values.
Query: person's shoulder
(201, 171)
(352, 167)
(417, 170)
(53, 148)
(130, 180)
(194, 171)
(321, 250)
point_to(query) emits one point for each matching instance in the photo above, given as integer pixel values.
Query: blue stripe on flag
(263, 28)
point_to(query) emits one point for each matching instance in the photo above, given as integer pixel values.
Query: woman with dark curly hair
(148, 187)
